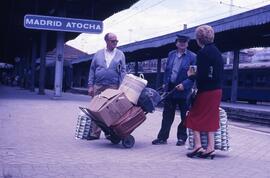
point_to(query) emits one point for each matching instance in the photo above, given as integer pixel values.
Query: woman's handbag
(192, 96)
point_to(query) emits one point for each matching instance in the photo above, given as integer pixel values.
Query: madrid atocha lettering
(52, 23)
(62, 24)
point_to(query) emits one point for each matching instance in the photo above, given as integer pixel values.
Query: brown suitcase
(129, 121)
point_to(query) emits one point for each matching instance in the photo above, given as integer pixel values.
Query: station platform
(37, 139)
(256, 113)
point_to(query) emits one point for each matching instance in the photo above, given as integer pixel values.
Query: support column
(21, 71)
(33, 65)
(27, 71)
(42, 69)
(235, 76)
(158, 77)
(58, 81)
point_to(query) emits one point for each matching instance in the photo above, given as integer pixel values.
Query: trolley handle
(163, 97)
(167, 94)
(88, 113)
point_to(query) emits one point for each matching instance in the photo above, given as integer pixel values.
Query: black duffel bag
(149, 99)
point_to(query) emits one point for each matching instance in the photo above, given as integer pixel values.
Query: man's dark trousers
(168, 115)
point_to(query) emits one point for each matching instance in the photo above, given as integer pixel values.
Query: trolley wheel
(128, 141)
(115, 140)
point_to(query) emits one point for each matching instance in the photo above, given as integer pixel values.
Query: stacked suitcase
(129, 122)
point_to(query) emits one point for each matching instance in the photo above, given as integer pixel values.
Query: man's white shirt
(109, 55)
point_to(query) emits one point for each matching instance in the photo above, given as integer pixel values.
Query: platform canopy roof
(16, 40)
(246, 30)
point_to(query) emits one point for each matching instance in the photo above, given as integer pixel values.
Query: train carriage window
(267, 80)
(148, 66)
(260, 80)
(241, 79)
(227, 78)
(248, 82)
(140, 67)
(131, 67)
(228, 83)
(163, 64)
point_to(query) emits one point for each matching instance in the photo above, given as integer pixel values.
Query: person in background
(204, 113)
(175, 77)
(107, 70)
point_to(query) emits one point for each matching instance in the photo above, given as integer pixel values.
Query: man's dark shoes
(159, 141)
(180, 142)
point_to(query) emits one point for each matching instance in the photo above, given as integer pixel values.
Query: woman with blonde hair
(204, 114)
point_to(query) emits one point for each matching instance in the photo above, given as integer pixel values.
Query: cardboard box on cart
(109, 106)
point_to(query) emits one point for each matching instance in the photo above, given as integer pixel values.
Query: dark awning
(16, 40)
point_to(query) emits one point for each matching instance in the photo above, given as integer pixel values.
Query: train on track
(253, 81)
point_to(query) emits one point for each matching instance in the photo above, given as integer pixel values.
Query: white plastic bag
(83, 127)
(132, 86)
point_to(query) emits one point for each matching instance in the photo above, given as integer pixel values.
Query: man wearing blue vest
(107, 70)
(175, 76)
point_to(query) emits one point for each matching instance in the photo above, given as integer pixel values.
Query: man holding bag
(175, 78)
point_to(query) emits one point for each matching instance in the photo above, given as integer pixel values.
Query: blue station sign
(62, 24)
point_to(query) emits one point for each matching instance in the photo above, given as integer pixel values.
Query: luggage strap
(102, 125)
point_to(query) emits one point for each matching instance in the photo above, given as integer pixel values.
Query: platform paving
(37, 141)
